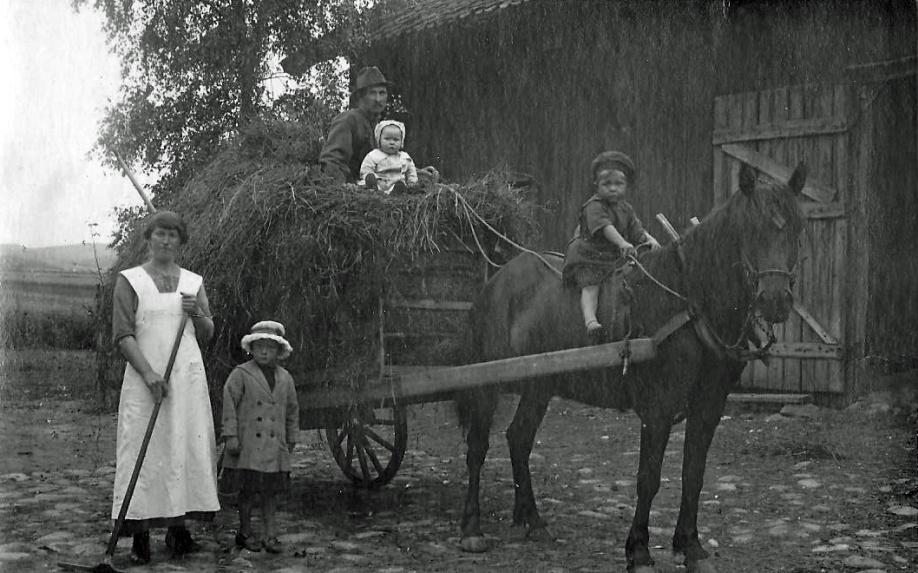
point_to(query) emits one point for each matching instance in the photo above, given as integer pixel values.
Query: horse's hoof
(643, 569)
(474, 544)
(539, 534)
(700, 566)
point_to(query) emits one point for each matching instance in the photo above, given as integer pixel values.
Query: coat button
(259, 418)
(272, 435)
(259, 403)
(258, 435)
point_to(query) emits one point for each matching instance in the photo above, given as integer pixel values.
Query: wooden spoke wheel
(369, 443)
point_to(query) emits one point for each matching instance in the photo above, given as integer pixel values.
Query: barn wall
(543, 87)
(892, 201)
(773, 43)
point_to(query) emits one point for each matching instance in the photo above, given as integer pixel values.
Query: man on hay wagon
(350, 137)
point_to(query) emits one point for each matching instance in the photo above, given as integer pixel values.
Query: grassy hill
(70, 258)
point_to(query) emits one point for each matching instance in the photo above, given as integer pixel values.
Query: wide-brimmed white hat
(269, 330)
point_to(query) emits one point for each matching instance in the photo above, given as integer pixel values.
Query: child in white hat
(260, 425)
(387, 167)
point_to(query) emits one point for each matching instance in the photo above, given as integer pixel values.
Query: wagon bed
(422, 326)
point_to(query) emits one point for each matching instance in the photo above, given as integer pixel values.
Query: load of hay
(275, 241)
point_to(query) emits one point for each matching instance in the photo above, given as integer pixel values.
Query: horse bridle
(739, 350)
(753, 275)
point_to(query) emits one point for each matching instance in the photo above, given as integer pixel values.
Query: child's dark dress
(590, 256)
(260, 408)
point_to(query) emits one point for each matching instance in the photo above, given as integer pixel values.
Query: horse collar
(738, 351)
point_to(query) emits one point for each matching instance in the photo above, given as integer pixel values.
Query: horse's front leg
(482, 415)
(520, 437)
(704, 413)
(654, 437)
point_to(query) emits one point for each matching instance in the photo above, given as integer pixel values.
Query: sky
(58, 77)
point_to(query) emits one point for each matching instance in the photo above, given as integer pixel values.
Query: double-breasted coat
(262, 420)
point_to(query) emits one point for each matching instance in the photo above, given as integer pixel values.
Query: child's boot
(247, 542)
(370, 182)
(399, 188)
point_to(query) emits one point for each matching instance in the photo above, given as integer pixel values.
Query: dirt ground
(814, 491)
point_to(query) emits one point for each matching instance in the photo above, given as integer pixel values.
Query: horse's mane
(714, 269)
(752, 215)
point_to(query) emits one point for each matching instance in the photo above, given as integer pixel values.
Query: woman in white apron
(178, 478)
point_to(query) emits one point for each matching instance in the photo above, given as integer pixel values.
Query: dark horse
(729, 272)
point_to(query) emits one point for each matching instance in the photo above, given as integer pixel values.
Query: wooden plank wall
(789, 125)
(889, 124)
(545, 86)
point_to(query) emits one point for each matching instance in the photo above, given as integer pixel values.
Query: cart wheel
(369, 443)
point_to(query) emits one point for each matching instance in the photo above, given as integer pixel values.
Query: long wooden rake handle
(113, 542)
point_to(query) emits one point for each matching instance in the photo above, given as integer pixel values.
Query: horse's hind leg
(520, 437)
(701, 423)
(481, 406)
(654, 437)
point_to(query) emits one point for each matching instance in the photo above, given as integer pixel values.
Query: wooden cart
(422, 327)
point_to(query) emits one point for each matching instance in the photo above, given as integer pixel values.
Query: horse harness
(735, 352)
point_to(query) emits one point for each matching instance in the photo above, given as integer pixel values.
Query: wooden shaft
(668, 227)
(113, 542)
(127, 171)
(427, 381)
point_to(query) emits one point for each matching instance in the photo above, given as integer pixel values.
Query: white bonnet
(270, 330)
(377, 132)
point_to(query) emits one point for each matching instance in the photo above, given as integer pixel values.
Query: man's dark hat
(369, 77)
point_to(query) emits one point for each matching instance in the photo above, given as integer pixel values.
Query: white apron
(178, 475)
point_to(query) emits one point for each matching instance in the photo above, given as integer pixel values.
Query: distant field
(47, 309)
(44, 291)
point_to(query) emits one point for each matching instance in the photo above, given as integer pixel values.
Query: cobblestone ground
(808, 490)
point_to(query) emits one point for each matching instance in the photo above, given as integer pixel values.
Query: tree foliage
(195, 71)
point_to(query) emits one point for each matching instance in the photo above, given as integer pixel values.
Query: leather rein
(739, 350)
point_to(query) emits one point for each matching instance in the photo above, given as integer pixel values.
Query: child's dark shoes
(272, 545)
(247, 542)
(370, 182)
(399, 188)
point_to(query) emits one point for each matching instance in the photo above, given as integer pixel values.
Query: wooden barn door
(772, 131)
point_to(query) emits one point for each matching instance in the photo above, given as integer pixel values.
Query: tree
(193, 72)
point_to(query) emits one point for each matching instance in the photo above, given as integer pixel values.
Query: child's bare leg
(589, 301)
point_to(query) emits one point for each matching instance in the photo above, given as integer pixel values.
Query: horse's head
(769, 237)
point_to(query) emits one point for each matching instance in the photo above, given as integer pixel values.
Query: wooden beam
(772, 168)
(805, 350)
(429, 304)
(817, 210)
(743, 398)
(821, 332)
(785, 129)
(454, 378)
(883, 71)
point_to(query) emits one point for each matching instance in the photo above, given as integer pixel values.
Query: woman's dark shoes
(179, 540)
(370, 182)
(140, 548)
(247, 542)
(272, 545)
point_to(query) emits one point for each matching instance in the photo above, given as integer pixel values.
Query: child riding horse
(699, 298)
